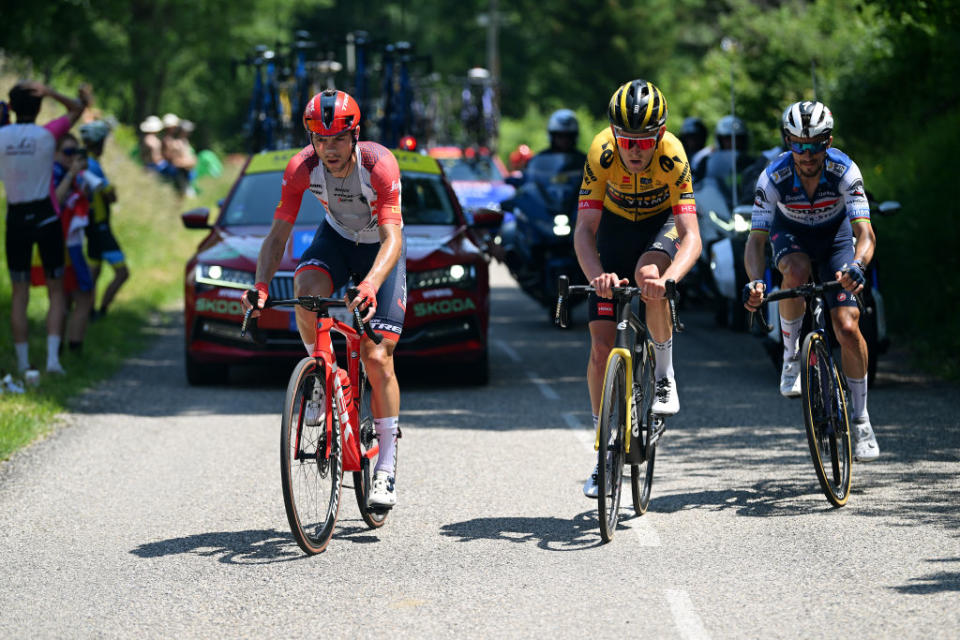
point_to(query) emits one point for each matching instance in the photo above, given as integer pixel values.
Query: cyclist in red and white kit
(358, 184)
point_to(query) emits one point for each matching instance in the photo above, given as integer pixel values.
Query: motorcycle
(873, 318)
(719, 274)
(535, 240)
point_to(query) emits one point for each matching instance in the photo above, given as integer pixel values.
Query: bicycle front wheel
(825, 415)
(363, 479)
(311, 477)
(641, 474)
(610, 457)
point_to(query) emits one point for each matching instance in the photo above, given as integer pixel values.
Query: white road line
(684, 615)
(583, 435)
(642, 527)
(507, 349)
(545, 389)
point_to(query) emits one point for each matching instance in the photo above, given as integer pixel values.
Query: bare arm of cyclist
(271, 253)
(688, 234)
(391, 242)
(754, 260)
(863, 254)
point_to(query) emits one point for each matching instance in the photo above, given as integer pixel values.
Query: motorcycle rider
(693, 137)
(563, 128)
(637, 218)
(810, 203)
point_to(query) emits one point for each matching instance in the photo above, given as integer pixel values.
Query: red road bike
(327, 426)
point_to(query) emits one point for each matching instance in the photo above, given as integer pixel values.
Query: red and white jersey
(355, 205)
(26, 158)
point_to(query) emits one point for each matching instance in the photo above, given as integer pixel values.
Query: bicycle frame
(629, 326)
(347, 415)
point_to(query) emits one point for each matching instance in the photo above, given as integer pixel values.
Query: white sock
(309, 348)
(663, 367)
(23, 355)
(53, 352)
(858, 397)
(387, 429)
(790, 329)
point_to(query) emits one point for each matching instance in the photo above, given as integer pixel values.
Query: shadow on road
(937, 582)
(252, 546)
(549, 533)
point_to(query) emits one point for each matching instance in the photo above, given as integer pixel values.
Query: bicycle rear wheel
(311, 478)
(363, 479)
(610, 457)
(641, 474)
(825, 416)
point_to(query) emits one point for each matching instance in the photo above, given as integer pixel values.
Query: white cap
(187, 126)
(170, 120)
(151, 125)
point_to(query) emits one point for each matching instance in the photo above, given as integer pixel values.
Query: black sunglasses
(74, 150)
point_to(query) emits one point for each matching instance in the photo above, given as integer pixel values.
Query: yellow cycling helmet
(638, 107)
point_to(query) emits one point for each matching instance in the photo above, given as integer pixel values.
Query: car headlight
(561, 225)
(456, 275)
(217, 276)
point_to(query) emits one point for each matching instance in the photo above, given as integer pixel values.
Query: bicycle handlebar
(565, 289)
(316, 304)
(807, 290)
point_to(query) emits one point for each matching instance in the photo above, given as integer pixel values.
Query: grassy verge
(146, 221)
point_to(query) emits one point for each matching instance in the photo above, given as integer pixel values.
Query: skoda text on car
(448, 289)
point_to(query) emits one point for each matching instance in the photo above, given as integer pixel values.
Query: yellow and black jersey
(665, 184)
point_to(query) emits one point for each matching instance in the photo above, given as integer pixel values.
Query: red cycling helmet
(332, 112)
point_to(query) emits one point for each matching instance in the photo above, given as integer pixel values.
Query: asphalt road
(157, 511)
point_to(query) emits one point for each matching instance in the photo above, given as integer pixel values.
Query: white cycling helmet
(807, 120)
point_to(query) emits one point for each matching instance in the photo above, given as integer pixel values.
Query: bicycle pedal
(377, 509)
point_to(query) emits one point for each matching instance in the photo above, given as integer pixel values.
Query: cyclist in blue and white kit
(811, 204)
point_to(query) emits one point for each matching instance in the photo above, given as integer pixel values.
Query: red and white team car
(448, 289)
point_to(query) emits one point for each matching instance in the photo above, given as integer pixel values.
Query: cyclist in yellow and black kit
(637, 221)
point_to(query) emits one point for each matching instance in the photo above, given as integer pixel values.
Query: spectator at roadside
(151, 148)
(183, 158)
(70, 164)
(101, 242)
(26, 166)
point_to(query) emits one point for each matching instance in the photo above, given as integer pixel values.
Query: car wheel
(203, 374)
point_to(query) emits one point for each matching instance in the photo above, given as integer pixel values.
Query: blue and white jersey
(840, 191)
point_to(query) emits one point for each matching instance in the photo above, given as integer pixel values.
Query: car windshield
(424, 200)
(479, 168)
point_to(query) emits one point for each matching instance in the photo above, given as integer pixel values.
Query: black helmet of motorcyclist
(693, 135)
(731, 133)
(563, 129)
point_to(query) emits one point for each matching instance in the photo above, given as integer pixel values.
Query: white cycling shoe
(666, 402)
(790, 378)
(865, 447)
(384, 491)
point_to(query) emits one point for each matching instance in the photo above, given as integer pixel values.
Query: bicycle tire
(363, 479)
(826, 420)
(641, 475)
(306, 472)
(610, 455)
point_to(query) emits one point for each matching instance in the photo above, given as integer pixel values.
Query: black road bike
(629, 387)
(824, 393)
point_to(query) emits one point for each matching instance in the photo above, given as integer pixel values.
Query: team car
(448, 287)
